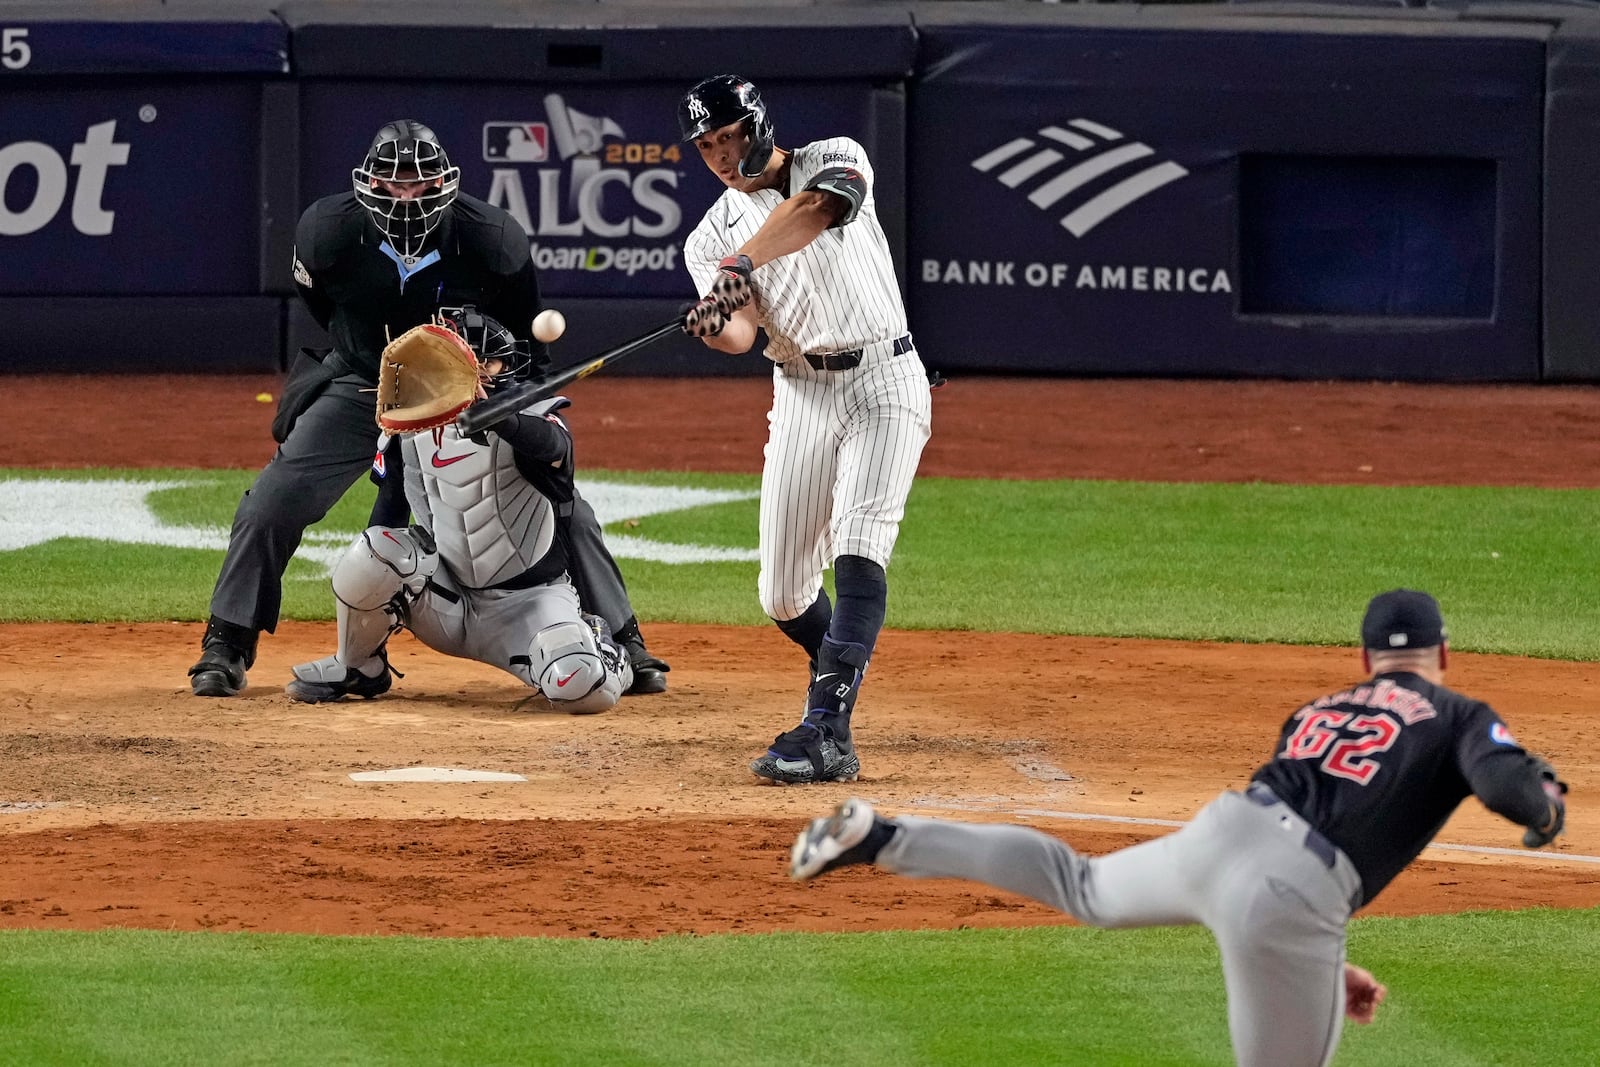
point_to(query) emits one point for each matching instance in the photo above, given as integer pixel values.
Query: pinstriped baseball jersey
(837, 293)
(844, 444)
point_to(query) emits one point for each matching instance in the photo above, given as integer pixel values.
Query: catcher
(369, 264)
(482, 573)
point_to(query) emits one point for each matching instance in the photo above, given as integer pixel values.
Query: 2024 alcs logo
(93, 157)
(592, 155)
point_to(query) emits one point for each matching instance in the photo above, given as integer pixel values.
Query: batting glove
(704, 319)
(732, 289)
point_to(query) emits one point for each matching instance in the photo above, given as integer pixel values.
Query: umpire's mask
(405, 183)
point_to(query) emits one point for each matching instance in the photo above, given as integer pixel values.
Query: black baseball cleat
(226, 652)
(220, 673)
(649, 673)
(818, 750)
(327, 680)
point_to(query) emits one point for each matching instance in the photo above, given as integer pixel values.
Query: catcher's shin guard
(375, 583)
(329, 679)
(578, 667)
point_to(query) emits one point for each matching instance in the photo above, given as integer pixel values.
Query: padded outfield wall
(1231, 190)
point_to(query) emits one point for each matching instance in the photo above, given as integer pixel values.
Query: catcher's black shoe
(327, 679)
(226, 652)
(854, 833)
(649, 672)
(818, 750)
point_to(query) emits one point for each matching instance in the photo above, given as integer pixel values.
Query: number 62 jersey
(1379, 767)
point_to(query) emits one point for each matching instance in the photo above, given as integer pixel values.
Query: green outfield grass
(1466, 990)
(1514, 568)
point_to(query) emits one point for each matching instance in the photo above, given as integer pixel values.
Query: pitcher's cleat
(854, 833)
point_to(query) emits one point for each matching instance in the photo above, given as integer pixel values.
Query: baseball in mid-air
(549, 324)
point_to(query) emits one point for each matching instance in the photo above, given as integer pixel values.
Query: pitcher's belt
(1316, 844)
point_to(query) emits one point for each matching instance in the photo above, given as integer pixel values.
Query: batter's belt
(850, 358)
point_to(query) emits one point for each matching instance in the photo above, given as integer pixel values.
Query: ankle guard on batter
(837, 681)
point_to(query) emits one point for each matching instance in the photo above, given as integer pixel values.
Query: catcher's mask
(490, 340)
(405, 183)
(720, 101)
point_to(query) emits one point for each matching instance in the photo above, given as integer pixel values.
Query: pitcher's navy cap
(1402, 618)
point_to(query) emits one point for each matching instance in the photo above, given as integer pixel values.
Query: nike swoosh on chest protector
(440, 460)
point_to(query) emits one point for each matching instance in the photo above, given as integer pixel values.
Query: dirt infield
(127, 802)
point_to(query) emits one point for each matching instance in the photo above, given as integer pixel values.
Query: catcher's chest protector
(490, 524)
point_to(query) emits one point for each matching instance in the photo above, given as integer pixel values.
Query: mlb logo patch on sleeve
(1500, 735)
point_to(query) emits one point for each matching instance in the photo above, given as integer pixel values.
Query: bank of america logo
(1097, 152)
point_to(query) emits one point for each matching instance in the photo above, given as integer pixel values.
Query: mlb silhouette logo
(516, 142)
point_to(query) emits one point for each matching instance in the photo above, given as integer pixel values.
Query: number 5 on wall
(14, 51)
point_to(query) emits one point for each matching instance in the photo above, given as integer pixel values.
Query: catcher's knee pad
(574, 671)
(384, 564)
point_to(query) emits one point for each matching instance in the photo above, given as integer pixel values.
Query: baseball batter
(794, 247)
(1362, 780)
(482, 574)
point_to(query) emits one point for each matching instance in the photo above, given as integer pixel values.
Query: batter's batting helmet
(722, 100)
(406, 151)
(490, 340)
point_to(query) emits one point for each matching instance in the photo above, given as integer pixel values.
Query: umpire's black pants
(330, 446)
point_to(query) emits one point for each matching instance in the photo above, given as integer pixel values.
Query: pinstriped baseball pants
(842, 449)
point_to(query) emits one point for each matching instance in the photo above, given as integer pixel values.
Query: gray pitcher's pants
(1277, 911)
(330, 446)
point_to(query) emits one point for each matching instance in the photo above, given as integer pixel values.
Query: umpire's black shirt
(364, 294)
(1379, 767)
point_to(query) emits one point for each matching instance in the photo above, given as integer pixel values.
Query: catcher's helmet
(490, 340)
(406, 151)
(720, 101)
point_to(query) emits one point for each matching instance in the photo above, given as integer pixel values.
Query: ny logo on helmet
(697, 109)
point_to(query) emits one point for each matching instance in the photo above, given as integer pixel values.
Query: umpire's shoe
(854, 833)
(649, 672)
(327, 679)
(226, 652)
(818, 750)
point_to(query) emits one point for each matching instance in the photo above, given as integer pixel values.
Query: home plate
(435, 774)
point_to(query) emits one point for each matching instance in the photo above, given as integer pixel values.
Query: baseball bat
(503, 405)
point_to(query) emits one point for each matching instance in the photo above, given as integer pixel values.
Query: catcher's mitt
(427, 376)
